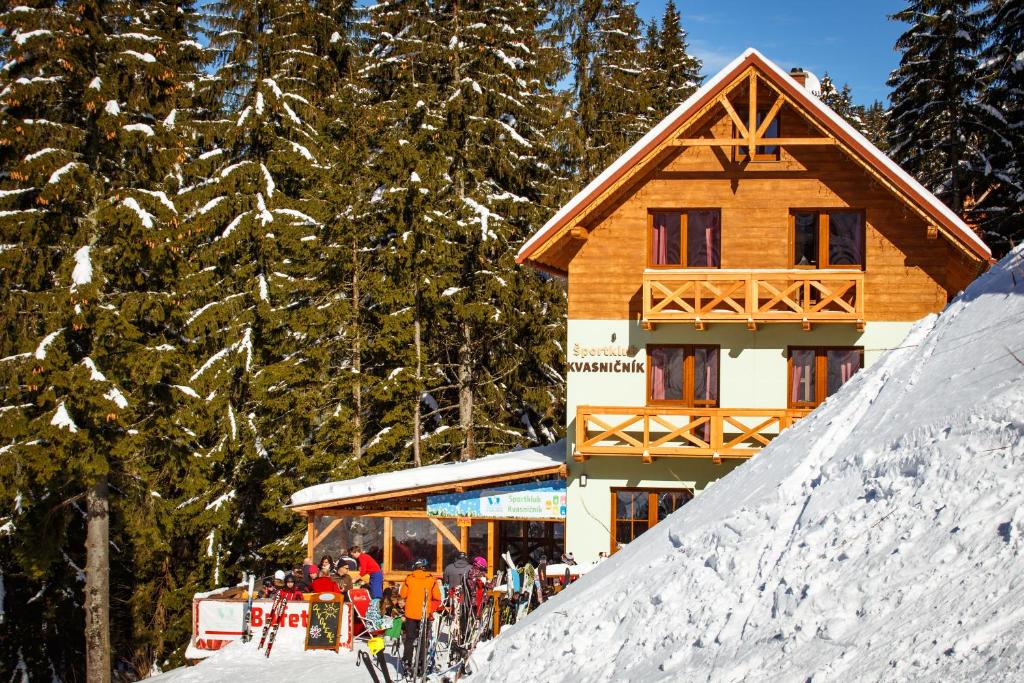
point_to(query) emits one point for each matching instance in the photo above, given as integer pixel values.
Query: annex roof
(852, 140)
(517, 464)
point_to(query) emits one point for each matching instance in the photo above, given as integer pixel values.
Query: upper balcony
(713, 295)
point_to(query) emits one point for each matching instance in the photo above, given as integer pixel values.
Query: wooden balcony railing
(753, 296)
(650, 432)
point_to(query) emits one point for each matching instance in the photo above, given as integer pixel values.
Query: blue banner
(533, 500)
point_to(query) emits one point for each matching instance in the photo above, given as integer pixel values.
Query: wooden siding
(907, 274)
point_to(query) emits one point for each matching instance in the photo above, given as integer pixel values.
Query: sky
(851, 39)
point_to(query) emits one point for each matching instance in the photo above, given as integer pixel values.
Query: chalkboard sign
(326, 621)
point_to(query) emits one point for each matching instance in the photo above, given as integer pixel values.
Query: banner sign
(215, 623)
(533, 500)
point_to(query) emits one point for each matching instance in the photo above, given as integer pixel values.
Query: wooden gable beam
(770, 116)
(727, 105)
(752, 110)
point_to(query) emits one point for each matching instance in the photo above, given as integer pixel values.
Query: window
(683, 374)
(827, 239)
(817, 373)
(335, 535)
(527, 541)
(635, 511)
(689, 239)
(763, 152)
(411, 540)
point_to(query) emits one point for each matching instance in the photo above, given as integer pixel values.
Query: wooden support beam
(646, 458)
(579, 233)
(745, 142)
(447, 533)
(698, 325)
(751, 325)
(933, 231)
(716, 458)
(770, 116)
(752, 117)
(646, 325)
(578, 457)
(740, 128)
(805, 325)
(860, 325)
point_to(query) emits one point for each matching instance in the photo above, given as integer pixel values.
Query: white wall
(752, 375)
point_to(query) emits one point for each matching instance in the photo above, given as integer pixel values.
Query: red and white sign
(215, 623)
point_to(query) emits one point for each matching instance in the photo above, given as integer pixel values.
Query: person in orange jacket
(419, 586)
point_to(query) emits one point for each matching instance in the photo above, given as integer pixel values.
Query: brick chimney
(799, 75)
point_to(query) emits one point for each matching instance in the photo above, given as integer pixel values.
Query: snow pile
(514, 462)
(882, 538)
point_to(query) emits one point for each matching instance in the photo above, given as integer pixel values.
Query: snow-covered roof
(520, 462)
(929, 202)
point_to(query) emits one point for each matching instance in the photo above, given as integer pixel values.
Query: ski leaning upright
(270, 619)
(247, 610)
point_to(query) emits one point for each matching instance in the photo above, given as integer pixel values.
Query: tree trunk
(97, 584)
(357, 361)
(466, 396)
(416, 459)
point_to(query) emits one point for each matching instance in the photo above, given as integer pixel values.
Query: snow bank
(881, 538)
(496, 465)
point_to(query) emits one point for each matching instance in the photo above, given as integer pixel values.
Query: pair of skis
(373, 667)
(273, 624)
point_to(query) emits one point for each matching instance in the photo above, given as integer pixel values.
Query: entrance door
(634, 511)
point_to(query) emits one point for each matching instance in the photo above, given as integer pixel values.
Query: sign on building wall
(611, 358)
(534, 500)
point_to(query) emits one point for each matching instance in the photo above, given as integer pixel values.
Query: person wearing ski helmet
(419, 586)
(291, 589)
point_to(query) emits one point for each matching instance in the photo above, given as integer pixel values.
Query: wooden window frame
(823, 227)
(683, 226)
(688, 374)
(820, 373)
(652, 507)
(740, 151)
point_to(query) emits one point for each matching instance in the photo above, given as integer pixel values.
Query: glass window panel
(845, 238)
(478, 541)
(448, 549)
(772, 131)
(703, 239)
(666, 369)
(367, 532)
(705, 376)
(412, 539)
(666, 239)
(624, 532)
(842, 364)
(669, 502)
(803, 380)
(805, 239)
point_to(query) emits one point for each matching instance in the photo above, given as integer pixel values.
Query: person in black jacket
(455, 573)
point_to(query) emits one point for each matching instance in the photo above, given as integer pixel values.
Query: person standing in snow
(419, 586)
(369, 567)
(455, 573)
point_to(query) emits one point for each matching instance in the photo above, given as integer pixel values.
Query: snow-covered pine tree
(254, 332)
(576, 22)
(675, 73)
(405, 56)
(871, 120)
(935, 120)
(87, 128)
(876, 121)
(501, 109)
(1000, 197)
(619, 98)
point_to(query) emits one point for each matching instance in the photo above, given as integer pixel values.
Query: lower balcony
(668, 432)
(711, 295)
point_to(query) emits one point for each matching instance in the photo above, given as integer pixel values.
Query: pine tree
(617, 87)
(935, 121)
(875, 127)
(676, 73)
(88, 122)
(997, 207)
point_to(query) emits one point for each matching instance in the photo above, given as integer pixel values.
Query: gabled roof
(851, 140)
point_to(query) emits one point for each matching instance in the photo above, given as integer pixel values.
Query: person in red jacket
(290, 591)
(369, 566)
(320, 583)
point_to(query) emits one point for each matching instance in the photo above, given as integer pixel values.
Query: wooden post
(752, 119)
(310, 535)
(491, 528)
(387, 545)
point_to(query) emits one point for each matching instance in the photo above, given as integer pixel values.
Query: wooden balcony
(655, 432)
(710, 295)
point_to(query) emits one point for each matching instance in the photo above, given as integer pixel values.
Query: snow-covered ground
(880, 539)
